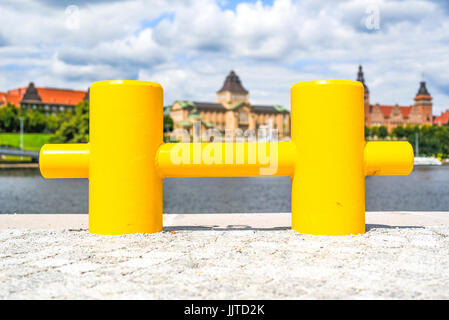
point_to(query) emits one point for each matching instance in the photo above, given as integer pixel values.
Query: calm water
(25, 191)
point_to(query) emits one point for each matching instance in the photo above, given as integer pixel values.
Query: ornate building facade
(232, 110)
(48, 100)
(391, 116)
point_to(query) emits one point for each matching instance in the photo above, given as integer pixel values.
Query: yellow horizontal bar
(225, 159)
(388, 158)
(64, 161)
(241, 159)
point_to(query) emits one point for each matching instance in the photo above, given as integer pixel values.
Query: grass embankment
(31, 141)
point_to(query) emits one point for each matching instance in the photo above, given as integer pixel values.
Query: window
(243, 117)
(176, 115)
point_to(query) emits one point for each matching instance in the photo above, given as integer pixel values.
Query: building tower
(31, 96)
(361, 78)
(423, 103)
(232, 91)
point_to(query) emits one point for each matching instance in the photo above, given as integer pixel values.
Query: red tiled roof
(48, 96)
(443, 118)
(14, 96)
(60, 96)
(406, 111)
(386, 110)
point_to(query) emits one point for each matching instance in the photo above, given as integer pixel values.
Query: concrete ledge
(219, 221)
(403, 255)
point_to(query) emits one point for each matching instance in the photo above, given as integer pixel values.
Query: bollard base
(328, 231)
(117, 232)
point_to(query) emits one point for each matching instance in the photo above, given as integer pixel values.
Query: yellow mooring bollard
(126, 159)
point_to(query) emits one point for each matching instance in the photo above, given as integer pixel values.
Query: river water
(25, 191)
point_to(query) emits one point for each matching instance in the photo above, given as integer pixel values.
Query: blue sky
(189, 46)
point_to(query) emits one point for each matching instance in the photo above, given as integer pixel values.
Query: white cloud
(190, 46)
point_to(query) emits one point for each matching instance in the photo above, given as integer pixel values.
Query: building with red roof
(442, 119)
(391, 116)
(48, 100)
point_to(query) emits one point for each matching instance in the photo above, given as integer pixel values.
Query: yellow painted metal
(226, 159)
(126, 129)
(328, 187)
(388, 158)
(64, 161)
(126, 160)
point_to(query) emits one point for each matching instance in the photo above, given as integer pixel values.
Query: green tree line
(67, 127)
(34, 121)
(432, 140)
(73, 127)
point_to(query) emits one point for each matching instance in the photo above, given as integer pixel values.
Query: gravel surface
(232, 263)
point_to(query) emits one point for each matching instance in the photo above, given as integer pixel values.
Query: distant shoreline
(18, 165)
(36, 165)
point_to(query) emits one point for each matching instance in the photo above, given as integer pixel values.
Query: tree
(76, 128)
(383, 132)
(53, 122)
(34, 121)
(443, 137)
(398, 132)
(9, 118)
(367, 132)
(168, 124)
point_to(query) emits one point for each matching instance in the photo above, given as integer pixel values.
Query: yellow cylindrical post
(328, 186)
(126, 128)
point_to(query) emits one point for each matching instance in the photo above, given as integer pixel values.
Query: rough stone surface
(225, 263)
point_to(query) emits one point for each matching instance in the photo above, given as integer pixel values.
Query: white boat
(427, 161)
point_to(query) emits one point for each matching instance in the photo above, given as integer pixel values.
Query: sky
(189, 46)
